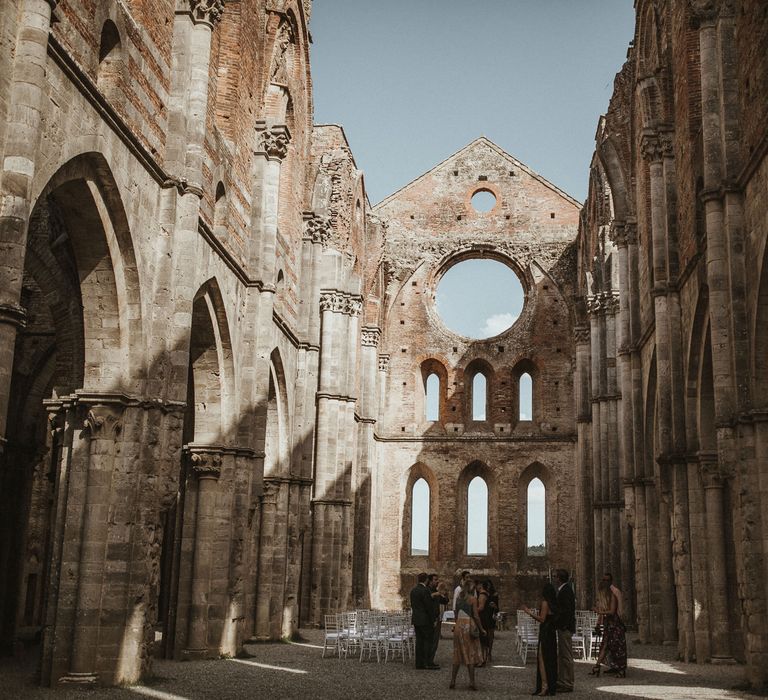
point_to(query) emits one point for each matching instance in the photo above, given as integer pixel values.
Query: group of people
(475, 604)
(557, 624)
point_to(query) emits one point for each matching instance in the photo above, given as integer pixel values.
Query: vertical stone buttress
(723, 207)
(367, 410)
(652, 152)
(585, 573)
(17, 168)
(332, 498)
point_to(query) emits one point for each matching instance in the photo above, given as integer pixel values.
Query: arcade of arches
(224, 380)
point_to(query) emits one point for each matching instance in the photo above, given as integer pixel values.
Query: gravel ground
(297, 671)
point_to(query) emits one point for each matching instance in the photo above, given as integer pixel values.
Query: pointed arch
(478, 502)
(431, 401)
(525, 375)
(538, 511)
(478, 385)
(420, 472)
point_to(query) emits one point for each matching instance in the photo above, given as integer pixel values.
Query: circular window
(483, 201)
(479, 298)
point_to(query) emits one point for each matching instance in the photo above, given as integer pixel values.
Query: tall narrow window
(420, 518)
(110, 61)
(477, 517)
(537, 536)
(432, 388)
(479, 400)
(526, 396)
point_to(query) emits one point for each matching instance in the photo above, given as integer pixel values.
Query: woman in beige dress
(466, 647)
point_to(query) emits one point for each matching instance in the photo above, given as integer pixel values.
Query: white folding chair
(334, 636)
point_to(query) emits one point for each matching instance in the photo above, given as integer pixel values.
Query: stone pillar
(17, 171)
(102, 427)
(331, 502)
(597, 469)
(365, 460)
(712, 481)
(586, 530)
(205, 466)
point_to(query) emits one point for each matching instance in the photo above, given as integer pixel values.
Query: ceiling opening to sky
(479, 298)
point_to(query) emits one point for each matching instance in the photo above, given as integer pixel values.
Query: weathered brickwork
(213, 350)
(674, 231)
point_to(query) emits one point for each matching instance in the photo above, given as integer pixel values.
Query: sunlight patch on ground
(269, 666)
(152, 693)
(657, 666)
(664, 692)
(306, 644)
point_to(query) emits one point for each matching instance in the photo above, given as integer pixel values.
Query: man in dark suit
(566, 626)
(421, 617)
(437, 599)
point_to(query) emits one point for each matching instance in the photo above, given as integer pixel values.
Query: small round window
(479, 298)
(483, 201)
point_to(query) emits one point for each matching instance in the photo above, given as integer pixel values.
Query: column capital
(205, 460)
(707, 11)
(104, 422)
(370, 336)
(383, 363)
(273, 142)
(667, 143)
(14, 315)
(581, 335)
(317, 229)
(206, 12)
(650, 147)
(340, 302)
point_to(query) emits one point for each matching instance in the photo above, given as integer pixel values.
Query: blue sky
(413, 81)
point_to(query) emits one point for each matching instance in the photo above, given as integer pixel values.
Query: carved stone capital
(383, 363)
(707, 11)
(207, 12)
(317, 229)
(205, 462)
(650, 148)
(630, 232)
(104, 422)
(581, 335)
(370, 336)
(667, 143)
(274, 142)
(617, 235)
(14, 315)
(340, 302)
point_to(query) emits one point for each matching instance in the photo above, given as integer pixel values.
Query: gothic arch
(475, 367)
(536, 470)
(472, 470)
(416, 472)
(759, 358)
(430, 366)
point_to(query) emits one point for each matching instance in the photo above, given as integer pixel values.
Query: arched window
(220, 211)
(525, 397)
(479, 398)
(432, 403)
(536, 509)
(420, 518)
(477, 517)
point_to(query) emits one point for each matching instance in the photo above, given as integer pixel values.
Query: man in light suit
(423, 623)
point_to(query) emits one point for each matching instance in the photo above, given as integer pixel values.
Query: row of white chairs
(385, 633)
(586, 644)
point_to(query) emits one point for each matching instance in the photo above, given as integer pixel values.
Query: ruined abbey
(215, 351)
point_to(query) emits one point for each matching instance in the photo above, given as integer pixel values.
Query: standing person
(614, 644)
(456, 591)
(566, 627)
(466, 646)
(438, 599)
(546, 668)
(487, 606)
(421, 617)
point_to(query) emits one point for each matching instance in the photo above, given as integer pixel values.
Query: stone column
(17, 171)
(362, 483)
(586, 529)
(205, 466)
(593, 306)
(712, 480)
(102, 427)
(331, 502)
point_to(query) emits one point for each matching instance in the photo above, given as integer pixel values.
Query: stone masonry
(214, 350)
